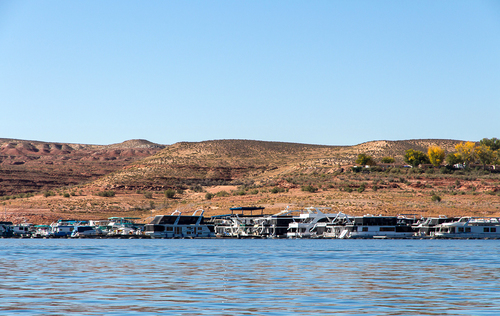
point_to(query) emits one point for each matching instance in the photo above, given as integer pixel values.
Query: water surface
(249, 277)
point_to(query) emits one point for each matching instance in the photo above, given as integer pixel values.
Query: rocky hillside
(223, 161)
(31, 166)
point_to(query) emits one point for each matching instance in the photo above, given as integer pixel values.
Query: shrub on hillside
(222, 194)
(196, 188)
(106, 193)
(277, 190)
(309, 188)
(436, 198)
(169, 194)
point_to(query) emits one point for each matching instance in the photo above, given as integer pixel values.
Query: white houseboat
(86, 231)
(427, 227)
(369, 226)
(470, 227)
(311, 223)
(242, 222)
(63, 227)
(22, 230)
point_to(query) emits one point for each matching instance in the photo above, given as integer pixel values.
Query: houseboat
(63, 228)
(470, 227)
(177, 225)
(6, 229)
(337, 227)
(427, 226)
(311, 223)
(41, 231)
(369, 226)
(242, 222)
(22, 230)
(276, 225)
(120, 226)
(85, 231)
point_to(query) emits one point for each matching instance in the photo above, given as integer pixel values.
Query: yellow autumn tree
(467, 152)
(436, 155)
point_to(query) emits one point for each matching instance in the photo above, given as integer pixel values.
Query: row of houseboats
(251, 222)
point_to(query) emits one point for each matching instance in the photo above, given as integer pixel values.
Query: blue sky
(317, 72)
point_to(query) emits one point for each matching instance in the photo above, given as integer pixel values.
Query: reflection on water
(250, 277)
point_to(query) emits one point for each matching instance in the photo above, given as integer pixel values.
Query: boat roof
(247, 208)
(124, 218)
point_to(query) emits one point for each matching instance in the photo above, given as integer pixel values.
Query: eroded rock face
(32, 166)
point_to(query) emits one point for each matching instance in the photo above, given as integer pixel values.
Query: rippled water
(249, 277)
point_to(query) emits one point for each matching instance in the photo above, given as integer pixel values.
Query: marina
(253, 222)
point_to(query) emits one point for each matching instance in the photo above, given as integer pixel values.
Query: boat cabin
(177, 225)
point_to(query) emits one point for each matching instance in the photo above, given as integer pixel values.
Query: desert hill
(223, 161)
(31, 166)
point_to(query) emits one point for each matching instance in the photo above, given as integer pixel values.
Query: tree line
(486, 152)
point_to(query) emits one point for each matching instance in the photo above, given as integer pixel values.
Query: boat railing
(200, 210)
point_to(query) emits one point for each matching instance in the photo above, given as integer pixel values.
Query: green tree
(415, 157)
(493, 143)
(453, 159)
(436, 155)
(365, 160)
(387, 160)
(485, 155)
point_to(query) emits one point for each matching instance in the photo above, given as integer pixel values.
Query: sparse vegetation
(257, 175)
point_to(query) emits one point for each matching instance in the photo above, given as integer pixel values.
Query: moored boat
(177, 225)
(311, 223)
(85, 231)
(369, 226)
(470, 227)
(6, 229)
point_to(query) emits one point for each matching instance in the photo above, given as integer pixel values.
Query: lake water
(249, 277)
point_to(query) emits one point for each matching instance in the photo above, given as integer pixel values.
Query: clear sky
(317, 72)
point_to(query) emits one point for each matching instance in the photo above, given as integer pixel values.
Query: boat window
(493, 229)
(188, 220)
(486, 229)
(365, 229)
(467, 229)
(170, 229)
(168, 219)
(158, 228)
(387, 229)
(460, 229)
